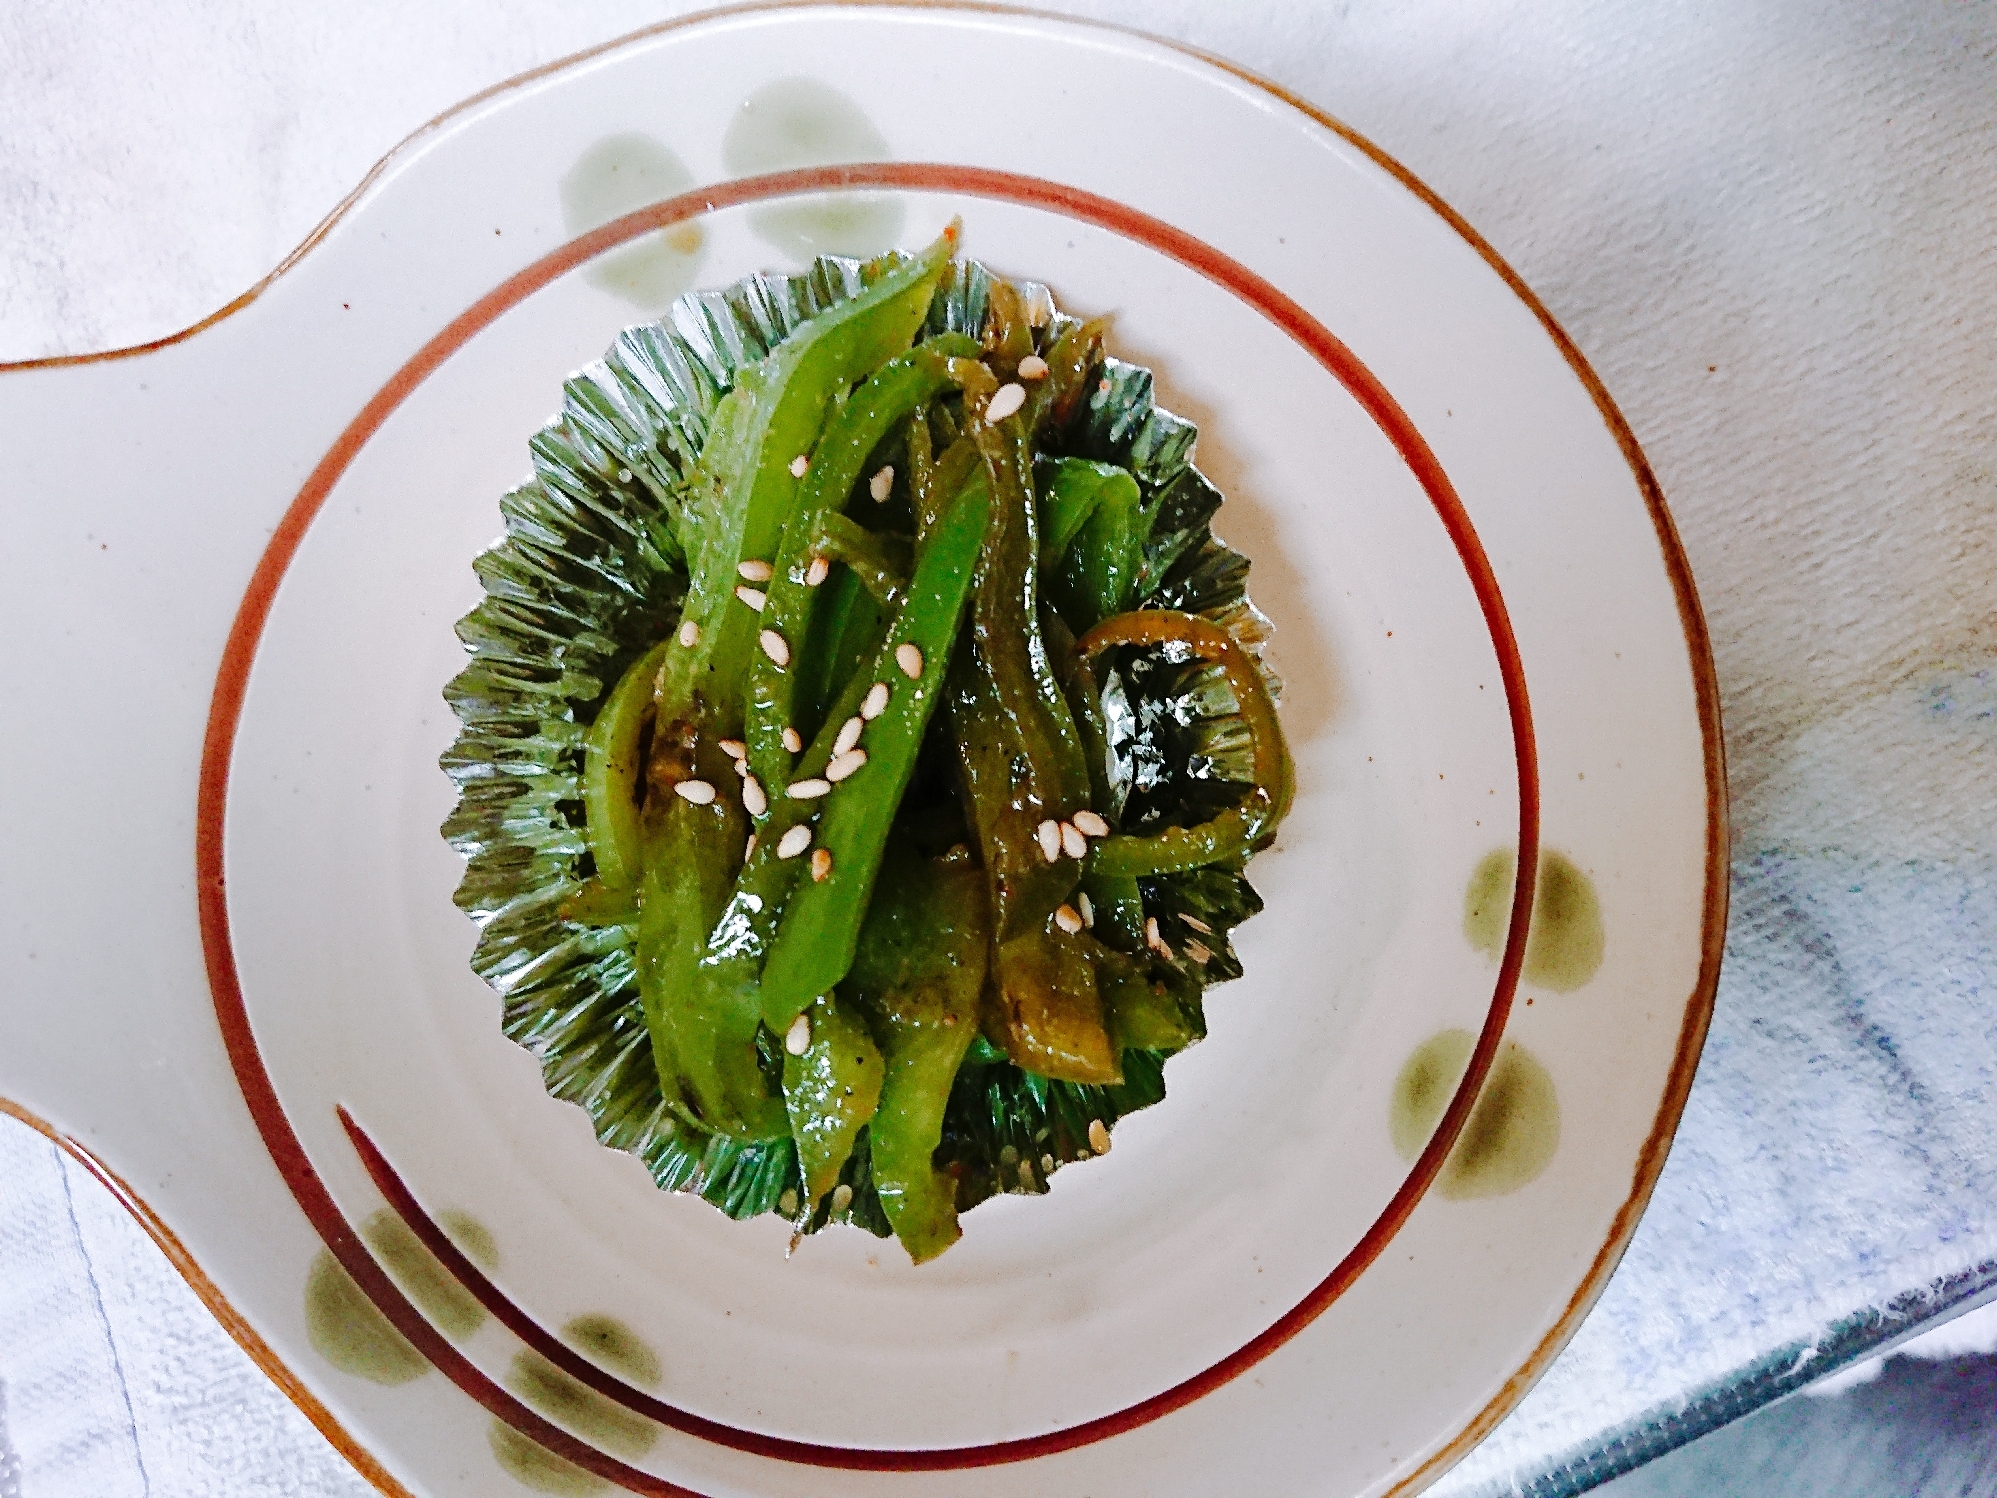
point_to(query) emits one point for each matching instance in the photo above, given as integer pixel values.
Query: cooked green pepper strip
(1052, 401)
(1095, 533)
(783, 406)
(703, 1038)
(1023, 760)
(594, 903)
(740, 941)
(921, 471)
(831, 1090)
(917, 976)
(1114, 899)
(1070, 489)
(1022, 766)
(610, 774)
(1051, 1008)
(1147, 1012)
(1008, 617)
(947, 476)
(1008, 335)
(698, 960)
(845, 630)
(1237, 831)
(821, 924)
(1084, 699)
(890, 393)
(717, 973)
(880, 562)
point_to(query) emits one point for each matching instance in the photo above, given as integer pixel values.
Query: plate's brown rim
(1698, 1010)
(259, 1090)
(210, 1295)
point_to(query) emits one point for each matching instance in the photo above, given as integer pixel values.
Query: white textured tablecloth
(1771, 227)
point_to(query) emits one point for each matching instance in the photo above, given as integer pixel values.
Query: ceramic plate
(1381, 1192)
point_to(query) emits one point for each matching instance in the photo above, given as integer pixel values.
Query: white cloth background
(1771, 226)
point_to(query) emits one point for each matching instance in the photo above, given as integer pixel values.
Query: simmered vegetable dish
(927, 744)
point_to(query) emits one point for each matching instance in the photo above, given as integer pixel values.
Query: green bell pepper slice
(831, 1090)
(821, 924)
(917, 979)
(1239, 830)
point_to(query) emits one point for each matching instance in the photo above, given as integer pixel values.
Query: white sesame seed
(881, 485)
(817, 572)
(1049, 833)
(733, 748)
(909, 658)
(1151, 937)
(845, 764)
(1033, 367)
(1026, 1174)
(793, 740)
(742, 768)
(755, 571)
(808, 790)
(775, 646)
(1072, 842)
(794, 842)
(787, 1203)
(1196, 923)
(1198, 952)
(1047, 1163)
(797, 1039)
(699, 792)
(1091, 824)
(689, 634)
(1098, 1136)
(1068, 919)
(821, 864)
(842, 1197)
(755, 800)
(1088, 909)
(1008, 399)
(849, 735)
(749, 848)
(798, 465)
(754, 597)
(876, 701)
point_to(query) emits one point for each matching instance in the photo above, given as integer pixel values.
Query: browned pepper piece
(1022, 768)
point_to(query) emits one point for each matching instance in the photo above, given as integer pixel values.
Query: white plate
(1490, 642)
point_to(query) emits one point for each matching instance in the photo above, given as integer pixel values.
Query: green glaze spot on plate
(616, 176)
(415, 1269)
(1422, 1090)
(349, 1332)
(611, 1343)
(577, 1408)
(1512, 1134)
(534, 1466)
(799, 122)
(1564, 949)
